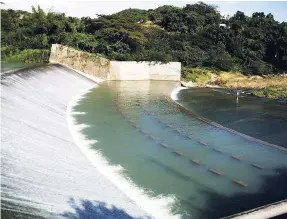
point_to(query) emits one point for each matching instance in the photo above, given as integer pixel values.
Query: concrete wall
(114, 70)
(82, 61)
(144, 71)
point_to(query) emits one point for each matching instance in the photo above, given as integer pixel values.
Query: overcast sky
(82, 8)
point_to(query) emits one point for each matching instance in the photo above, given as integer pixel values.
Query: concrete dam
(50, 168)
(44, 174)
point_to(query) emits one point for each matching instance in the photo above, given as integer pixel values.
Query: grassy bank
(273, 92)
(263, 86)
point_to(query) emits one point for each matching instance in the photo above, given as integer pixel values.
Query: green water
(264, 119)
(129, 120)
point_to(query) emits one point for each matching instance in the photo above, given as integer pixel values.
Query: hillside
(197, 35)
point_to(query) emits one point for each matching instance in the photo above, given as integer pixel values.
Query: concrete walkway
(44, 174)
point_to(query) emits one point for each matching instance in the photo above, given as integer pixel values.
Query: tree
(192, 35)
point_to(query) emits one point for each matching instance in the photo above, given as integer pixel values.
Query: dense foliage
(196, 35)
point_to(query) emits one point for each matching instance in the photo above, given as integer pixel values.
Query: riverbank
(274, 86)
(44, 173)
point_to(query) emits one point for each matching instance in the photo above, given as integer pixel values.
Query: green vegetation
(272, 92)
(200, 76)
(27, 55)
(195, 35)
(263, 86)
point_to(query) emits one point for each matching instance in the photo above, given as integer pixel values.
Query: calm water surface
(211, 172)
(260, 118)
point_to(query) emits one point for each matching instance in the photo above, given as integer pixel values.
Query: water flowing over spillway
(75, 149)
(44, 174)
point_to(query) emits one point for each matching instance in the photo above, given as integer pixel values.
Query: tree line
(196, 35)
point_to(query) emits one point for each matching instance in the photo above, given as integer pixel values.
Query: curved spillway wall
(44, 174)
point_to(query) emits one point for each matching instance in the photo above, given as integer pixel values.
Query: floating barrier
(176, 131)
(177, 153)
(164, 145)
(134, 125)
(159, 121)
(166, 125)
(143, 131)
(195, 162)
(217, 150)
(200, 142)
(153, 137)
(216, 172)
(189, 136)
(257, 166)
(235, 157)
(238, 182)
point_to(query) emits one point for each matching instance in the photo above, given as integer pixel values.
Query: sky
(84, 8)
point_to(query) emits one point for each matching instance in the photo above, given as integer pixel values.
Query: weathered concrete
(91, 64)
(264, 212)
(144, 71)
(44, 174)
(104, 69)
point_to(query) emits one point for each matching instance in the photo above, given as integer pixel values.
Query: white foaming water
(42, 169)
(158, 207)
(175, 92)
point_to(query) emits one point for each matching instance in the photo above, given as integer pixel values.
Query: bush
(258, 67)
(272, 92)
(7, 51)
(224, 62)
(198, 75)
(30, 56)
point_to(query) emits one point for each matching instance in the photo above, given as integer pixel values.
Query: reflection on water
(212, 172)
(262, 119)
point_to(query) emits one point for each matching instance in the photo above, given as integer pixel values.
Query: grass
(266, 86)
(238, 80)
(197, 75)
(272, 92)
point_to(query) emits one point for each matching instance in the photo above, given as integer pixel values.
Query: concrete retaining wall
(82, 61)
(144, 71)
(105, 69)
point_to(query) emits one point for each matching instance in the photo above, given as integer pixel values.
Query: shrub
(258, 67)
(30, 56)
(224, 62)
(272, 92)
(198, 75)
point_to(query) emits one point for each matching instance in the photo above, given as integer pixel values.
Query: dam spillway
(44, 174)
(136, 153)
